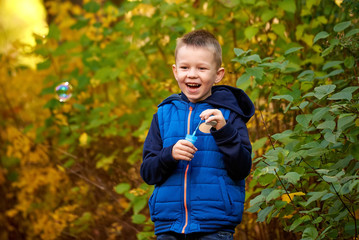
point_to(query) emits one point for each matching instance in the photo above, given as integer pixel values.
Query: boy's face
(196, 72)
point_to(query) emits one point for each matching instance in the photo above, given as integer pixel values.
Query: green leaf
(288, 5)
(316, 152)
(307, 75)
(331, 137)
(320, 35)
(84, 220)
(92, 6)
(299, 221)
(266, 179)
(144, 235)
(68, 163)
(138, 218)
(341, 26)
(327, 196)
(289, 98)
(319, 113)
(331, 64)
(323, 90)
(267, 15)
(327, 51)
(54, 32)
(81, 22)
(292, 177)
(244, 81)
(345, 121)
(328, 124)
(310, 211)
(303, 104)
(296, 223)
(139, 203)
(250, 32)
(315, 196)
(264, 213)
(257, 200)
(122, 188)
(254, 57)
(79, 107)
(259, 143)
(331, 74)
(274, 194)
(283, 135)
(349, 62)
(293, 49)
(341, 96)
(304, 119)
(344, 94)
(350, 227)
(354, 150)
(279, 29)
(9, 162)
(239, 52)
(257, 72)
(273, 65)
(330, 179)
(105, 162)
(310, 233)
(352, 32)
(44, 65)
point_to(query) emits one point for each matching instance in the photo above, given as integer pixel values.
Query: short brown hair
(201, 38)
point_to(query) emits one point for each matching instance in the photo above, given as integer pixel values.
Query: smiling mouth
(193, 85)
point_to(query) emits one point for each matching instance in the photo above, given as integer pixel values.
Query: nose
(192, 73)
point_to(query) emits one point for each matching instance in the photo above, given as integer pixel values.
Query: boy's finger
(189, 144)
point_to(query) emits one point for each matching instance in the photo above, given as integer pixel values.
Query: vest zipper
(186, 173)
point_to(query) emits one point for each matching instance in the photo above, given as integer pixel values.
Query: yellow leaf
(357, 122)
(83, 139)
(338, 2)
(61, 168)
(123, 203)
(286, 198)
(11, 213)
(61, 119)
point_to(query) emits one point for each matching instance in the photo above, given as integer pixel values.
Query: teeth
(193, 85)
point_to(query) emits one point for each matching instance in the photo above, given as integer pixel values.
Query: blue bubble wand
(192, 138)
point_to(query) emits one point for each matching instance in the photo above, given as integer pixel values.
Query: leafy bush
(310, 177)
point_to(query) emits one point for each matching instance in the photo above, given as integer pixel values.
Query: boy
(199, 188)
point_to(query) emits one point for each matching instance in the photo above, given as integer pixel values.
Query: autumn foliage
(70, 170)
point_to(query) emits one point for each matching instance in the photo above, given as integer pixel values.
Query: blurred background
(80, 81)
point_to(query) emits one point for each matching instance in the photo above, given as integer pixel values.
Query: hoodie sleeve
(233, 142)
(158, 163)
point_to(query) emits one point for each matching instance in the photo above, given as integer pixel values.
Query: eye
(183, 67)
(202, 68)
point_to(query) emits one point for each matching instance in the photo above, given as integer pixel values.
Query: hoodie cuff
(166, 159)
(224, 134)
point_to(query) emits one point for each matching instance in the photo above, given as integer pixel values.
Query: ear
(219, 75)
(174, 70)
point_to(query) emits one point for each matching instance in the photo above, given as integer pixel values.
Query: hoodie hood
(232, 98)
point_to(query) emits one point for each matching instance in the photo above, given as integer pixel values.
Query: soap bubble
(63, 91)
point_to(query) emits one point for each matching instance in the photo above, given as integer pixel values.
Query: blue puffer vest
(199, 196)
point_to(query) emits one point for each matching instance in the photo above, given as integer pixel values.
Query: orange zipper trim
(189, 120)
(185, 199)
(185, 174)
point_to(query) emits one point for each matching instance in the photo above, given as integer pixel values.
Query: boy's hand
(183, 150)
(214, 116)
